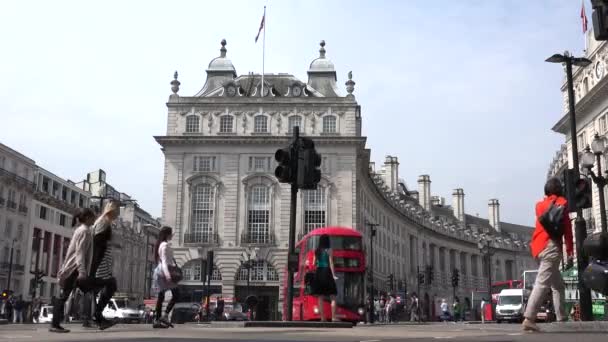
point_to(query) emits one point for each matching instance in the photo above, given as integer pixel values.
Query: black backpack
(552, 220)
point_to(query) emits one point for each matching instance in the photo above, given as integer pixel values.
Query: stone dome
(222, 63)
(322, 64)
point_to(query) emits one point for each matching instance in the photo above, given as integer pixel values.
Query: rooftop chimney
(424, 191)
(494, 214)
(458, 204)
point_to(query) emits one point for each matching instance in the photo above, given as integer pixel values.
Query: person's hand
(335, 277)
(570, 262)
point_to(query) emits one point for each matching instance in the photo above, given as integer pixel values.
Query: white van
(511, 305)
(122, 310)
(46, 314)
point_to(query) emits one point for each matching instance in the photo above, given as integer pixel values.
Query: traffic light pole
(372, 234)
(10, 266)
(292, 228)
(580, 225)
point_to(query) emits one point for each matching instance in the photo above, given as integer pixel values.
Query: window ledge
(193, 133)
(226, 133)
(330, 133)
(261, 133)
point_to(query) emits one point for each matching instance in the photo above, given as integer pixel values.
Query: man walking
(18, 310)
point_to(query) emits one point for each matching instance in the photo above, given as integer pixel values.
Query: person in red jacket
(549, 254)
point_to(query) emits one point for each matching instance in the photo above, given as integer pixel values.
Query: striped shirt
(104, 271)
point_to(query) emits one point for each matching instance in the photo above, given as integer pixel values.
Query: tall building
(17, 187)
(220, 193)
(133, 237)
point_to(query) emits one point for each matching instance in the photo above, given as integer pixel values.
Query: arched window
(226, 123)
(260, 124)
(203, 209)
(329, 124)
(192, 124)
(260, 271)
(315, 209)
(258, 214)
(294, 121)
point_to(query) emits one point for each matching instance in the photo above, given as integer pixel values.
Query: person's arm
(568, 233)
(164, 262)
(331, 264)
(80, 239)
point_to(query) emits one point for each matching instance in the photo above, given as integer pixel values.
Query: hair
(110, 206)
(82, 215)
(163, 235)
(324, 243)
(554, 187)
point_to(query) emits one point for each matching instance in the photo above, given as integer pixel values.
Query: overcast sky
(456, 89)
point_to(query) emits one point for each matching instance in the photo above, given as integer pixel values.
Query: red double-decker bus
(349, 264)
(503, 285)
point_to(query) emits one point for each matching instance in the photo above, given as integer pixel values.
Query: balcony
(202, 238)
(17, 179)
(268, 239)
(4, 266)
(11, 205)
(23, 209)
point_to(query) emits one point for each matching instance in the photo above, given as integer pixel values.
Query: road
(187, 333)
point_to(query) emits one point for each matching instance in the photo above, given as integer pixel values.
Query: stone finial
(322, 49)
(175, 84)
(223, 49)
(350, 84)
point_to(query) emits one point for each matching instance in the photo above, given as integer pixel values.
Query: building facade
(220, 193)
(133, 237)
(50, 231)
(17, 176)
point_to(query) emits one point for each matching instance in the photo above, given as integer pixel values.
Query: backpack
(552, 221)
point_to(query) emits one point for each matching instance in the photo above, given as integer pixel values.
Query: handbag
(175, 272)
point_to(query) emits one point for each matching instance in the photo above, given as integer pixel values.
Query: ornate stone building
(220, 193)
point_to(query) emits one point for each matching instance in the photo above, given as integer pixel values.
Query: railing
(11, 204)
(15, 268)
(258, 239)
(23, 209)
(202, 238)
(18, 179)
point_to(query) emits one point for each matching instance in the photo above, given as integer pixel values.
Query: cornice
(256, 101)
(243, 139)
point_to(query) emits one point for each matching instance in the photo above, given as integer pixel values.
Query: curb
(3, 321)
(281, 324)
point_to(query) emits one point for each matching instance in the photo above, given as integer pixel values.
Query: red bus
(502, 285)
(349, 263)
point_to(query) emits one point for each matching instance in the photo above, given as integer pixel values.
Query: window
(260, 271)
(260, 124)
(204, 164)
(62, 219)
(314, 209)
(18, 257)
(329, 124)
(294, 121)
(603, 119)
(8, 231)
(43, 212)
(20, 231)
(585, 85)
(582, 140)
(226, 122)
(259, 163)
(258, 215)
(11, 199)
(2, 160)
(192, 124)
(203, 206)
(216, 275)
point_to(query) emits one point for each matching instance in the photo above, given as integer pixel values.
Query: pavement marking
(370, 341)
(515, 334)
(444, 337)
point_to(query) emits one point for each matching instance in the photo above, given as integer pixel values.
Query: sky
(458, 90)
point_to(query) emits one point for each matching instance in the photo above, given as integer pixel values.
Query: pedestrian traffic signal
(4, 294)
(286, 158)
(600, 19)
(455, 277)
(309, 174)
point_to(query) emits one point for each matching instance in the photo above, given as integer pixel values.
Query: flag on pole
(261, 27)
(583, 18)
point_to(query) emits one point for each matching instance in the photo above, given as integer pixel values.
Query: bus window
(337, 242)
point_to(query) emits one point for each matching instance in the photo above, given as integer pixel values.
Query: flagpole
(585, 26)
(263, 51)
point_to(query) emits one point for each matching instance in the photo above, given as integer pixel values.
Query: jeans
(17, 316)
(161, 299)
(548, 278)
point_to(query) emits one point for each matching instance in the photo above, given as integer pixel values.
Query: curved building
(220, 193)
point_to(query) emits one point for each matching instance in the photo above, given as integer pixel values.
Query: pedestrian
(391, 308)
(483, 310)
(549, 252)
(324, 283)
(219, 309)
(445, 310)
(103, 282)
(18, 310)
(382, 309)
(414, 308)
(163, 281)
(75, 269)
(36, 303)
(456, 309)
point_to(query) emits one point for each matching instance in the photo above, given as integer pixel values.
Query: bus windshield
(337, 242)
(509, 300)
(350, 289)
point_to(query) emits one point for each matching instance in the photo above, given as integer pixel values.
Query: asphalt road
(187, 333)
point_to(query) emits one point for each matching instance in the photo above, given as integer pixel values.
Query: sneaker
(87, 324)
(528, 325)
(59, 329)
(159, 325)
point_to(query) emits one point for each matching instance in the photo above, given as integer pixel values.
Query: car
(46, 314)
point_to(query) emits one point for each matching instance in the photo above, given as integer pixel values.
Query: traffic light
(309, 174)
(4, 295)
(210, 264)
(391, 279)
(430, 274)
(285, 172)
(420, 278)
(455, 277)
(583, 193)
(600, 19)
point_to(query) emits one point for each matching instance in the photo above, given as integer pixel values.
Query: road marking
(444, 337)
(515, 334)
(370, 341)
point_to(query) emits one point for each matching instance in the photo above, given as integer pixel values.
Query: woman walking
(324, 283)
(75, 269)
(549, 252)
(162, 277)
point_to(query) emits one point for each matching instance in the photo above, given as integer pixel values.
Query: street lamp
(580, 229)
(485, 247)
(589, 158)
(372, 234)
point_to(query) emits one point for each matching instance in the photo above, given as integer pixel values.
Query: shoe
(103, 323)
(87, 324)
(165, 320)
(159, 325)
(528, 325)
(58, 329)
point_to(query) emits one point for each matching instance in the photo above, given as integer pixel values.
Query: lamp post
(580, 226)
(10, 266)
(485, 248)
(372, 234)
(590, 156)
